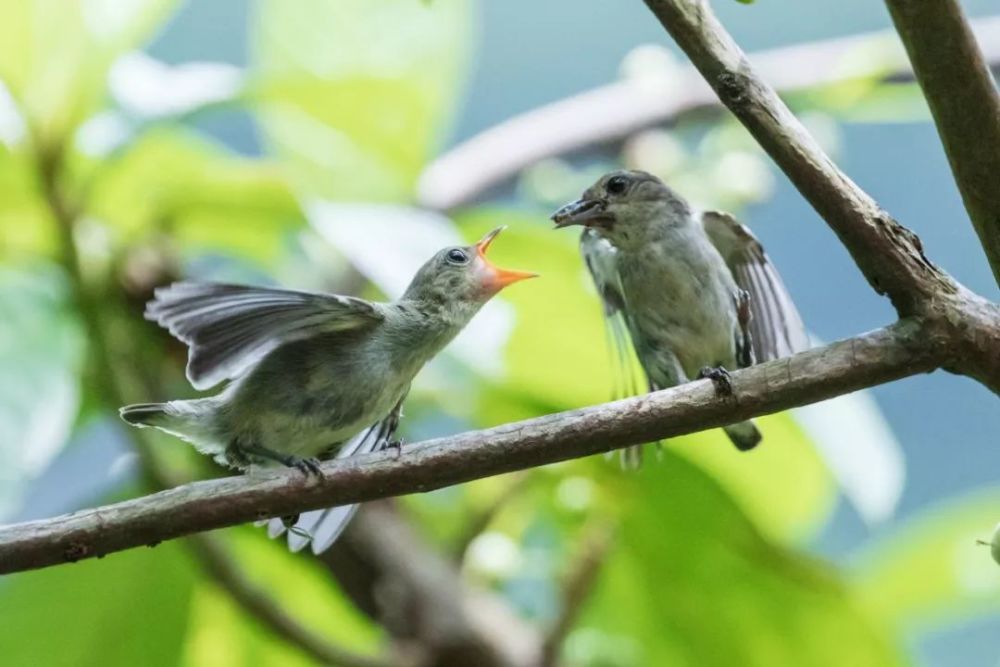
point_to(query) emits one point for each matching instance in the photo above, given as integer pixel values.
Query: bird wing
(229, 327)
(775, 325)
(601, 259)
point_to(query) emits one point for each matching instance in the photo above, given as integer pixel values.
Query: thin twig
(963, 99)
(594, 549)
(906, 348)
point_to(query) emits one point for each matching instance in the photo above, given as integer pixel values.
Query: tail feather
(143, 414)
(744, 435)
(184, 419)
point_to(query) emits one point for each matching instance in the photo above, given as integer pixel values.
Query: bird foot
(308, 466)
(720, 378)
(396, 445)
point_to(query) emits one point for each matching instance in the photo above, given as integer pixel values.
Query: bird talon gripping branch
(720, 377)
(309, 466)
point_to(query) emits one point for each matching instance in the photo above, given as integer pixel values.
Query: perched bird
(311, 375)
(695, 292)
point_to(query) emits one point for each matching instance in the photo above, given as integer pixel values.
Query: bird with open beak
(694, 291)
(311, 375)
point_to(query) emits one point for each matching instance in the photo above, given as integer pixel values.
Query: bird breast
(680, 297)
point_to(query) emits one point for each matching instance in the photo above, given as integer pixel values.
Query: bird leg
(719, 377)
(389, 427)
(236, 456)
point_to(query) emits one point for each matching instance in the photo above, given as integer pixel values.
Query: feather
(601, 260)
(229, 327)
(776, 328)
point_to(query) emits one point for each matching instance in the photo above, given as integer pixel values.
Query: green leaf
(222, 635)
(128, 609)
(54, 54)
(41, 349)
(692, 582)
(353, 95)
(932, 569)
(306, 588)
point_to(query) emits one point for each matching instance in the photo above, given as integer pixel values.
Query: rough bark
(963, 99)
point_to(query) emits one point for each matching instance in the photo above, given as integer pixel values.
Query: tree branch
(617, 110)
(963, 99)
(420, 597)
(905, 348)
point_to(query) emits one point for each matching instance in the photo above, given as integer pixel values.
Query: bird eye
(617, 185)
(457, 256)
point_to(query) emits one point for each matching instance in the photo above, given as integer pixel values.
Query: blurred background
(334, 145)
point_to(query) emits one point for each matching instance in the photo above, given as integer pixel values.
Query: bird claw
(720, 378)
(308, 466)
(396, 445)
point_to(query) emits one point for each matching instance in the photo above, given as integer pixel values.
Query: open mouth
(499, 278)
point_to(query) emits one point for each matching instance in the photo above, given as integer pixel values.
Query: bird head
(625, 207)
(463, 274)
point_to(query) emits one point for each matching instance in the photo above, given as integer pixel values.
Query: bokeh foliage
(352, 99)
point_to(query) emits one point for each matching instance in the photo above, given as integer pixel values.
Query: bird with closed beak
(694, 291)
(311, 375)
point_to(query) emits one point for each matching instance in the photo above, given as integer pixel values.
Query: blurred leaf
(222, 635)
(861, 450)
(41, 348)
(305, 589)
(88, 613)
(931, 568)
(54, 54)
(25, 227)
(208, 197)
(784, 485)
(693, 583)
(354, 94)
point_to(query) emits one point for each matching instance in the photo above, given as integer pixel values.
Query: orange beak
(500, 278)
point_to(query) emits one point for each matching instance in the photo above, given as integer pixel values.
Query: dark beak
(587, 212)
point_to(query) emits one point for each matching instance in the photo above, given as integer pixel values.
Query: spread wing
(776, 328)
(229, 327)
(601, 259)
